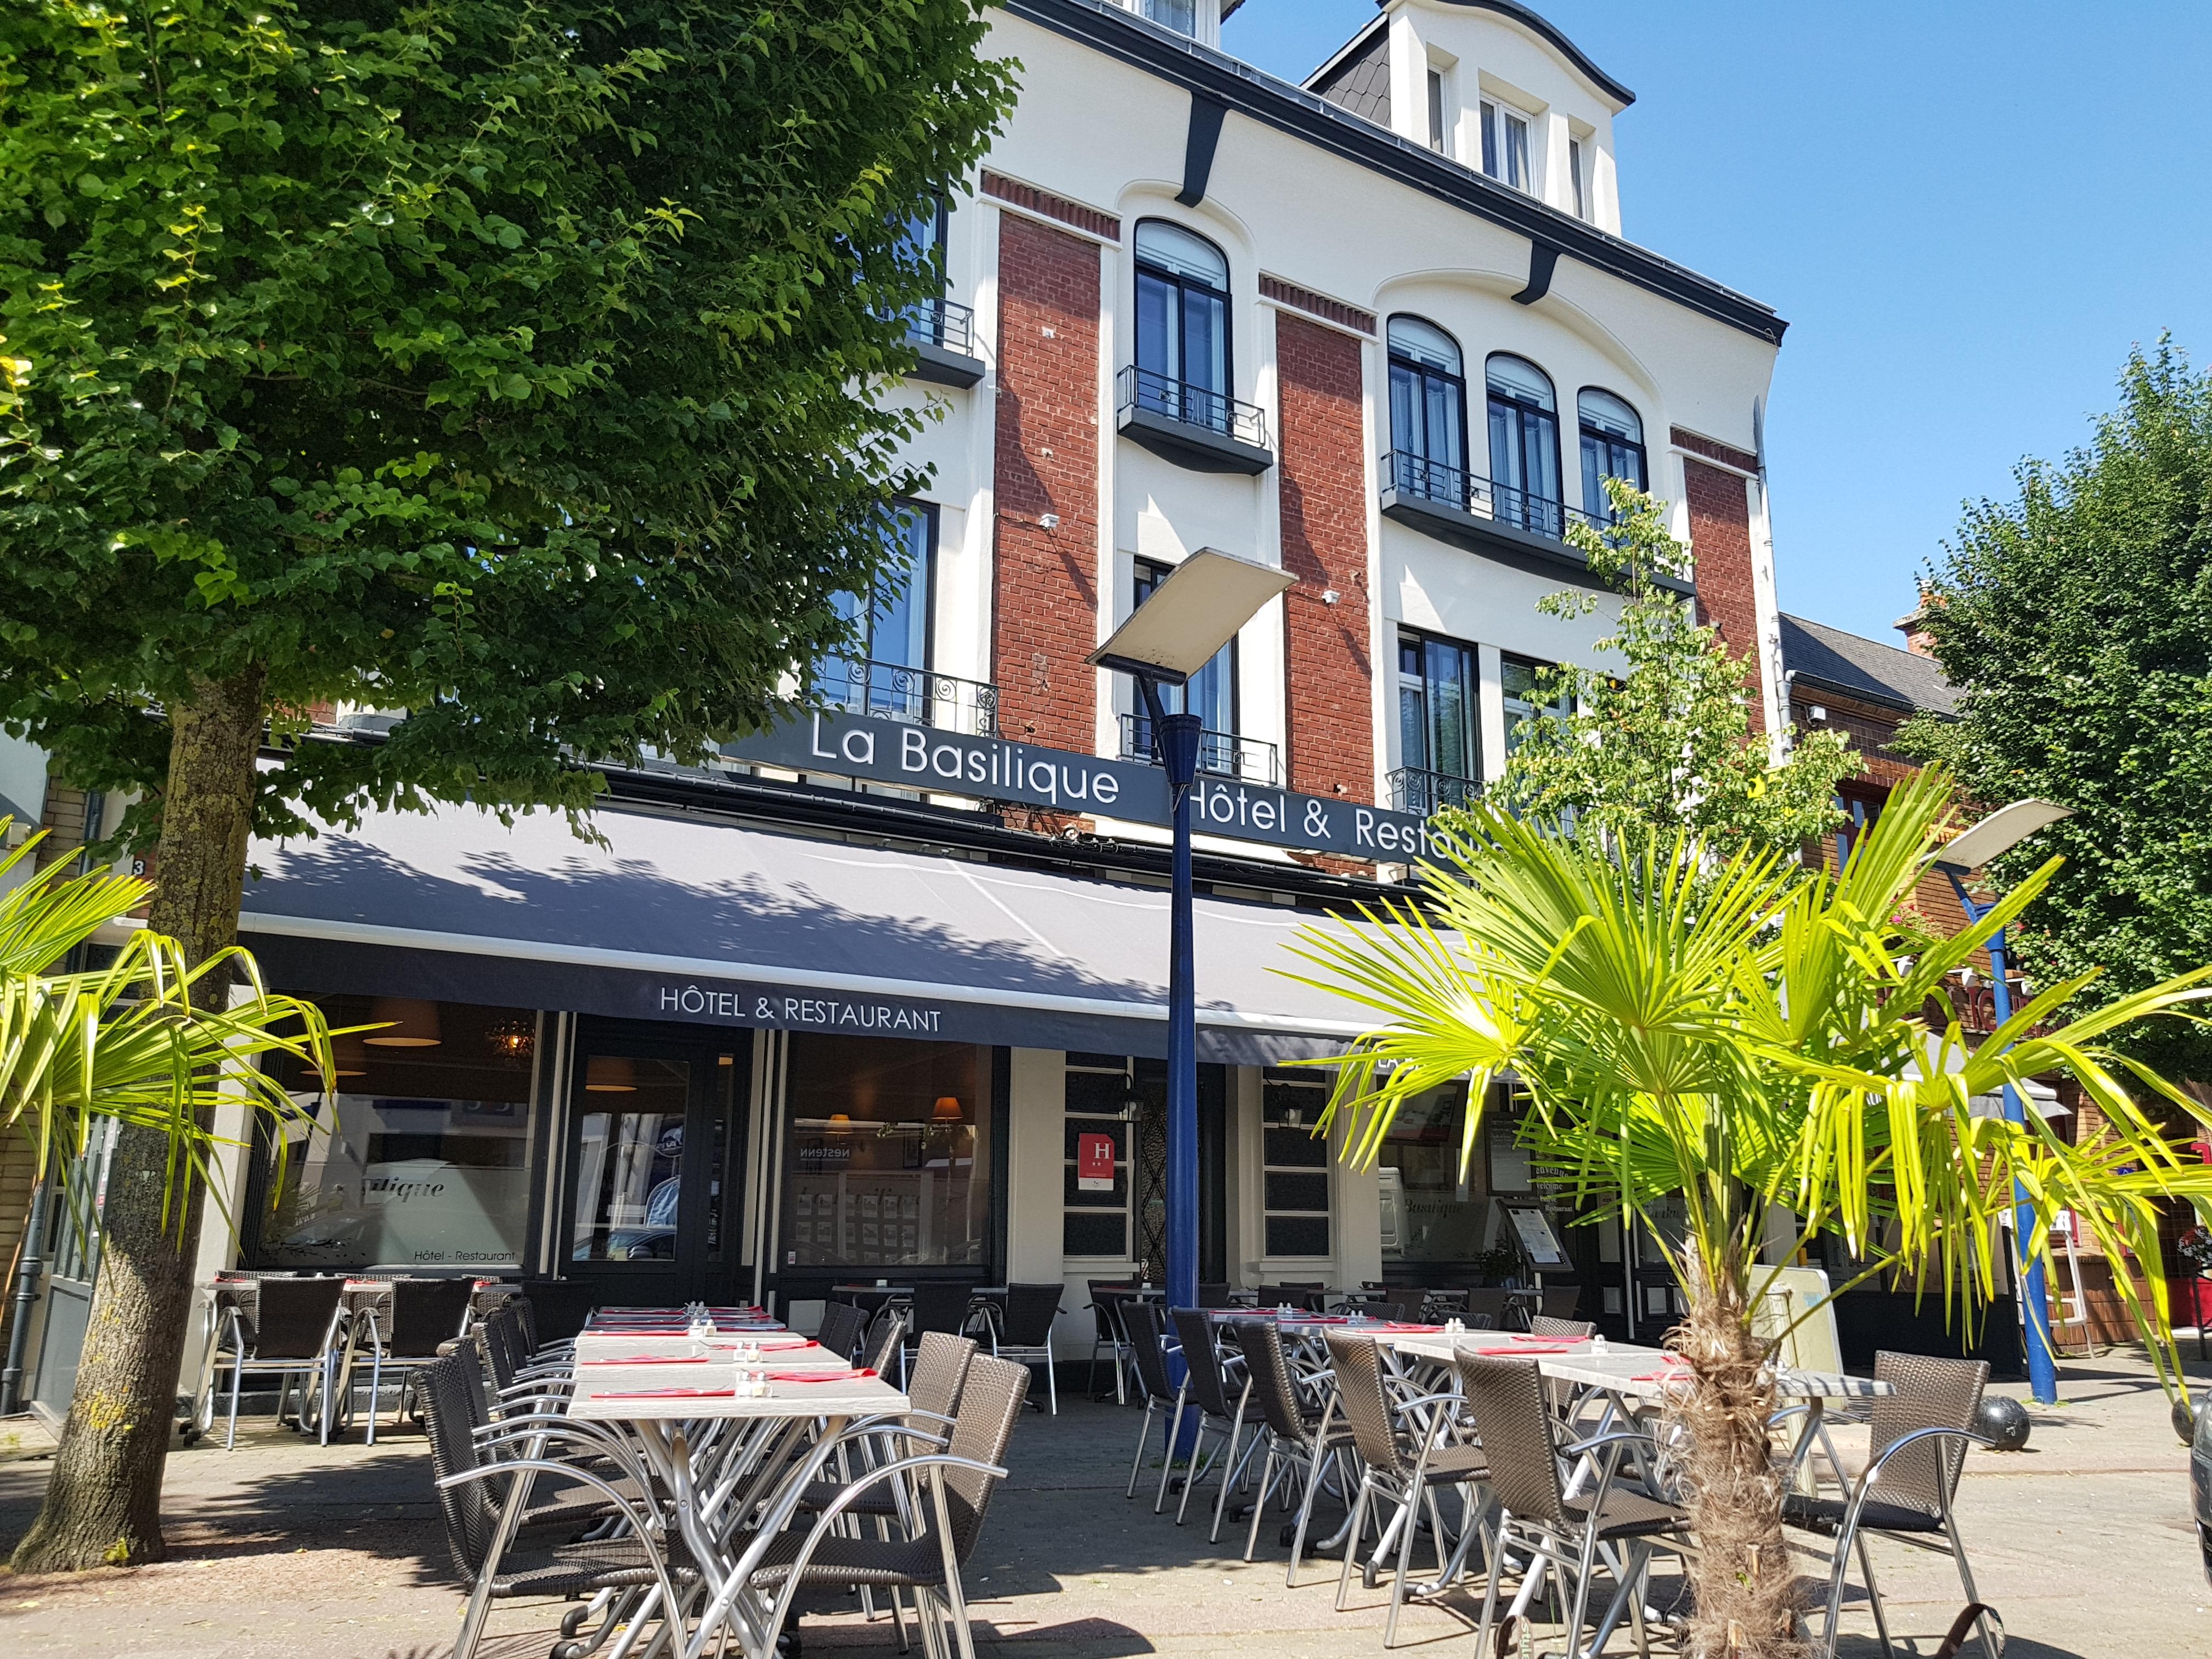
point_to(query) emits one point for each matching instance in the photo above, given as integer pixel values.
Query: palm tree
(1754, 1040)
(125, 1042)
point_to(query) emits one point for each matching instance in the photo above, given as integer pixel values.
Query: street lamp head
(1190, 616)
(2000, 832)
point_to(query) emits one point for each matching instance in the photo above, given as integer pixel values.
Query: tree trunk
(103, 1503)
(1746, 1587)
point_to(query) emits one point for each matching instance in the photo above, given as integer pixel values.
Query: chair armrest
(1616, 1436)
(646, 1528)
(1867, 1476)
(1787, 1412)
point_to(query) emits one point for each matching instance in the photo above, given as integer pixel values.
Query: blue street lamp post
(2042, 1367)
(1173, 635)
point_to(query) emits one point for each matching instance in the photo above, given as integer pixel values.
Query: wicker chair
(960, 1481)
(885, 1338)
(1399, 1466)
(842, 1327)
(1486, 1308)
(1300, 1436)
(295, 1333)
(426, 1315)
(1024, 1332)
(1564, 1536)
(640, 1579)
(1207, 1386)
(1916, 1454)
(1566, 1330)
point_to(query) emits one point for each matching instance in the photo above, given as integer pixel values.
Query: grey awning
(681, 919)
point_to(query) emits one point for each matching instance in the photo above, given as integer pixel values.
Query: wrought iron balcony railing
(945, 323)
(1412, 474)
(1413, 789)
(1220, 754)
(923, 695)
(1193, 405)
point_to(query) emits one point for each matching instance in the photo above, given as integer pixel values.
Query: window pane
(1297, 1234)
(1428, 1213)
(1298, 1148)
(421, 1159)
(629, 1161)
(1298, 1192)
(1408, 410)
(1490, 138)
(1095, 1234)
(1412, 728)
(1517, 152)
(899, 630)
(1575, 174)
(887, 1159)
(1445, 445)
(1439, 139)
(1205, 350)
(1182, 253)
(1156, 327)
(1451, 702)
(1099, 1094)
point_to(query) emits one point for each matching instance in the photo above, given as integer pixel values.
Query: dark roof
(1216, 77)
(1817, 655)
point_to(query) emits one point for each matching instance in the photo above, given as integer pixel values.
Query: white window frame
(1497, 153)
(1440, 122)
(1318, 1084)
(1127, 1135)
(1578, 176)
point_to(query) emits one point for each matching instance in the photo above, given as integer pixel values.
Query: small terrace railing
(1220, 754)
(923, 695)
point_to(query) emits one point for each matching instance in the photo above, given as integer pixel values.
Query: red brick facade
(1046, 599)
(1324, 512)
(1728, 595)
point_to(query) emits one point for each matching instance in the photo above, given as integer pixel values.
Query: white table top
(599, 1395)
(1623, 1368)
(593, 1348)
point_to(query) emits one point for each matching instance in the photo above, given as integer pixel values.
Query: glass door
(654, 1158)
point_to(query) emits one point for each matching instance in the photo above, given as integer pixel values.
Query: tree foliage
(510, 362)
(1748, 1039)
(2076, 619)
(1665, 738)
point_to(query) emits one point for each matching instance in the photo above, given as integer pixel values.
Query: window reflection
(420, 1159)
(887, 1153)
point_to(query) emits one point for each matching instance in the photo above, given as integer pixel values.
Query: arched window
(1524, 446)
(1182, 326)
(1612, 447)
(1428, 411)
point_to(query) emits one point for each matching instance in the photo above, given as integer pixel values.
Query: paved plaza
(2083, 1543)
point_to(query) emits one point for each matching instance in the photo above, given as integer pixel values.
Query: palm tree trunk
(103, 1503)
(1746, 1589)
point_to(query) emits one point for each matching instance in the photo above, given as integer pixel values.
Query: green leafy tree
(1666, 738)
(1754, 1040)
(511, 363)
(2076, 619)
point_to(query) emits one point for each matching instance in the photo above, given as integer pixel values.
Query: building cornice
(1205, 73)
(1546, 31)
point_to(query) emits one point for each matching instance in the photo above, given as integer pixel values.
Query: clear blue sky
(1967, 212)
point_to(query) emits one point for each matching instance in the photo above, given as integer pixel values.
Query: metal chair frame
(318, 1371)
(1028, 1353)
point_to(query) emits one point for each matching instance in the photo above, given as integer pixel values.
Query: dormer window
(1439, 130)
(1577, 178)
(1181, 16)
(1505, 144)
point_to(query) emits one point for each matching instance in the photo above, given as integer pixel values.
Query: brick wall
(1324, 516)
(1720, 536)
(1047, 595)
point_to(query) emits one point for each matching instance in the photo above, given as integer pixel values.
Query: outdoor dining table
(719, 1449)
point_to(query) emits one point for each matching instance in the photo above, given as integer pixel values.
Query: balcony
(1421, 792)
(943, 334)
(1205, 431)
(922, 696)
(1500, 521)
(1220, 754)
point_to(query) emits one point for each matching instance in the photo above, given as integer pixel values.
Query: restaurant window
(1430, 1211)
(417, 1155)
(1095, 1185)
(1522, 678)
(629, 1159)
(921, 240)
(1294, 1164)
(887, 1160)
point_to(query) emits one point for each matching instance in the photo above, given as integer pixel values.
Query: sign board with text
(880, 749)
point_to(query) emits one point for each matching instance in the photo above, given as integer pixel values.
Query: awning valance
(683, 919)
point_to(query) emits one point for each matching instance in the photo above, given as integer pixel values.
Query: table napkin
(1530, 1348)
(672, 1394)
(819, 1377)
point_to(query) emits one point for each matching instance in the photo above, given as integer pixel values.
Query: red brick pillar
(1728, 595)
(1047, 580)
(1323, 477)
